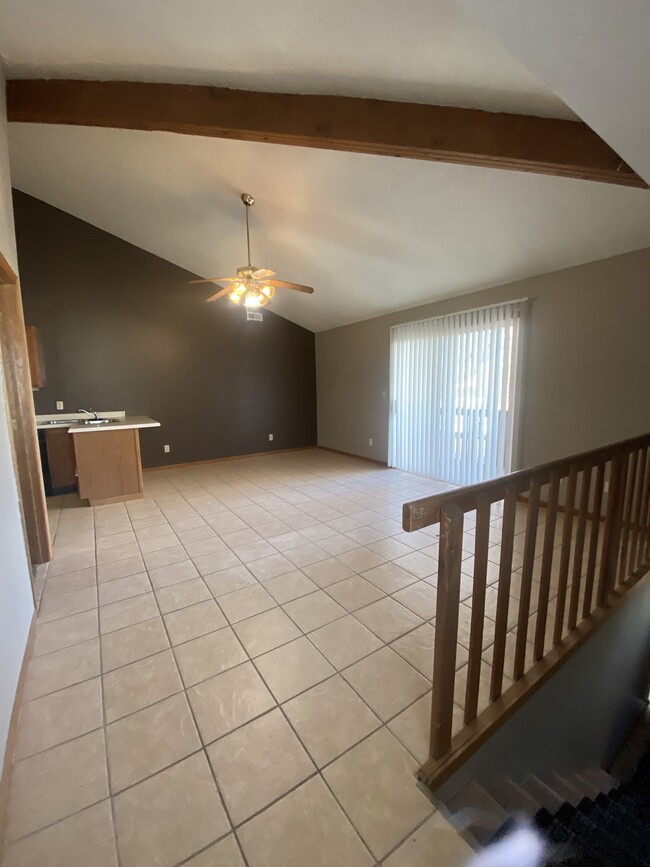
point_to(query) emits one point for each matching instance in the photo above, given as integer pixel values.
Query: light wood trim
(566, 148)
(547, 565)
(576, 577)
(645, 516)
(565, 554)
(627, 514)
(526, 579)
(481, 547)
(446, 639)
(503, 592)
(611, 528)
(642, 490)
(35, 356)
(624, 503)
(593, 539)
(13, 347)
(434, 772)
(12, 733)
(422, 513)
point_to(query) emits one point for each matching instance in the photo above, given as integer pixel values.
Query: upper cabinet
(35, 357)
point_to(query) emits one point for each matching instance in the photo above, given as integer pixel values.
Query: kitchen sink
(65, 421)
(98, 420)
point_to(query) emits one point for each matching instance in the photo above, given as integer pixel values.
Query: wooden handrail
(593, 506)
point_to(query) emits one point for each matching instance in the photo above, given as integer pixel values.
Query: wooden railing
(553, 550)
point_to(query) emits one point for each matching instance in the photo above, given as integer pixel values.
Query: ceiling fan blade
(261, 273)
(215, 280)
(219, 294)
(297, 286)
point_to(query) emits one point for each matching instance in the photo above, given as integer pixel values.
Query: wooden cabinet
(60, 458)
(35, 356)
(108, 465)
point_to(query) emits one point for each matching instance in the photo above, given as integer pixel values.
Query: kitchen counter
(128, 422)
(107, 469)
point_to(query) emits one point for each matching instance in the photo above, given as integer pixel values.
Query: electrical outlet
(370, 441)
(167, 449)
(59, 404)
(270, 438)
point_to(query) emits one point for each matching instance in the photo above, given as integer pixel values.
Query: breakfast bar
(106, 453)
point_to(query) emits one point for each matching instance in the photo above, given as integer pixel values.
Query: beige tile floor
(236, 670)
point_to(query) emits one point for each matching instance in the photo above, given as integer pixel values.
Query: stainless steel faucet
(90, 412)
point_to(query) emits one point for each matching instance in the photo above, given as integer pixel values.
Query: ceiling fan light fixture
(269, 291)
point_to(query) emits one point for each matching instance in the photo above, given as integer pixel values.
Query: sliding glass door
(454, 393)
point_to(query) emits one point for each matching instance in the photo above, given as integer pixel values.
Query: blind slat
(453, 401)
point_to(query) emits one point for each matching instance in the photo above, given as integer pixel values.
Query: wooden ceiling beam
(472, 137)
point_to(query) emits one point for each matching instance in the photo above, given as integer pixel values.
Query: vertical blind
(454, 388)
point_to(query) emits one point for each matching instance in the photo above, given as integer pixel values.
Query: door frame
(20, 403)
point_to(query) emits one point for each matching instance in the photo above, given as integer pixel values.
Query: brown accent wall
(121, 329)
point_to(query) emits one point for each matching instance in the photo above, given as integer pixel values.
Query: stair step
(513, 798)
(586, 786)
(601, 779)
(477, 812)
(566, 790)
(542, 793)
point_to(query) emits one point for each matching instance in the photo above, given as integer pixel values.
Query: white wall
(15, 589)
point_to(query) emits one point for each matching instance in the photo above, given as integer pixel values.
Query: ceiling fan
(250, 284)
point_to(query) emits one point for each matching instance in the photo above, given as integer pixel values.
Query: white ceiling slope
(595, 54)
(422, 50)
(372, 234)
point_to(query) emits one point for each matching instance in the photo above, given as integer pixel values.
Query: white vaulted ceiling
(372, 234)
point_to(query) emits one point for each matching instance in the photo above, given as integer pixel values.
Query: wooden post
(444, 659)
(13, 345)
(612, 528)
(503, 594)
(527, 578)
(565, 554)
(547, 563)
(478, 609)
(593, 538)
(583, 510)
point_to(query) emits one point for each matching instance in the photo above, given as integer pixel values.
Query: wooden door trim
(18, 385)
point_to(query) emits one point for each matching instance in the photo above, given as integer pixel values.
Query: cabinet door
(35, 357)
(60, 457)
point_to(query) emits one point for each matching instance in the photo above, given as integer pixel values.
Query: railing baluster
(593, 538)
(448, 601)
(547, 562)
(627, 516)
(478, 609)
(565, 554)
(624, 553)
(637, 511)
(643, 523)
(611, 529)
(576, 578)
(527, 578)
(503, 594)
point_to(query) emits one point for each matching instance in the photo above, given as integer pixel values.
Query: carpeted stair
(612, 830)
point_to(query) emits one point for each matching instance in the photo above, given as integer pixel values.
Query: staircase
(589, 819)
